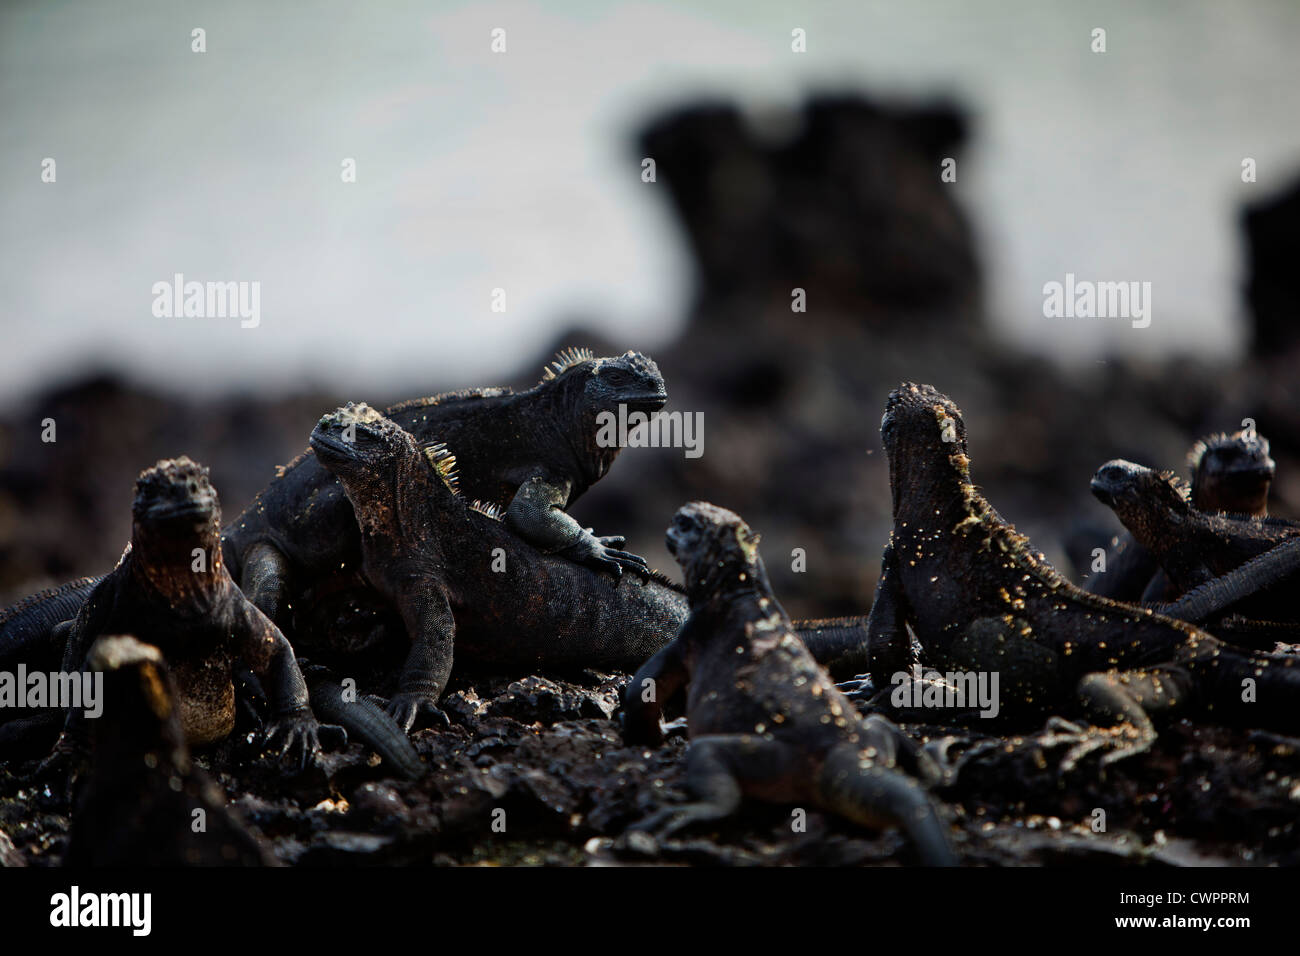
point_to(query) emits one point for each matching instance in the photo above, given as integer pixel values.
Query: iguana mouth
(1102, 491)
(200, 506)
(1252, 470)
(321, 441)
(1112, 479)
(652, 401)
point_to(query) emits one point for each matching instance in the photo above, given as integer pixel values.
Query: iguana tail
(367, 723)
(878, 796)
(27, 628)
(839, 644)
(1249, 688)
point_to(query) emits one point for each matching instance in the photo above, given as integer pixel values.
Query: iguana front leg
(264, 580)
(536, 514)
(293, 730)
(431, 629)
(889, 648)
(650, 689)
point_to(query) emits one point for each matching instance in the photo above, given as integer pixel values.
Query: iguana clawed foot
(295, 738)
(667, 821)
(58, 772)
(406, 709)
(1121, 741)
(859, 688)
(604, 554)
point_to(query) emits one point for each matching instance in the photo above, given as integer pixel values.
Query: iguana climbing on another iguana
(765, 720)
(980, 598)
(1230, 473)
(459, 577)
(431, 554)
(1198, 549)
(530, 453)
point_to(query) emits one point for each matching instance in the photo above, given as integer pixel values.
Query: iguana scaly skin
(171, 589)
(1197, 549)
(431, 555)
(1230, 473)
(765, 720)
(144, 795)
(952, 562)
(531, 453)
(30, 630)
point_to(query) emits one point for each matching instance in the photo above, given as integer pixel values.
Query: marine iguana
(171, 589)
(431, 553)
(144, 796)
(764, 719)
(532, 453)
(952, 561)
(1196, 549)
(1229, 473)
(1232, 473)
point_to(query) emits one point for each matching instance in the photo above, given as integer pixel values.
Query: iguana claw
(294, 737)
(1123, 740)
(406, 708)
(602, 555)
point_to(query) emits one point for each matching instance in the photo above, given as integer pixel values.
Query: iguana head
(1144, 500)
(355, 439)
(369, 453)
(588, 386)
(1231, 473)
(717, 551)
(175, 513)
(176, 496)
(925, 439)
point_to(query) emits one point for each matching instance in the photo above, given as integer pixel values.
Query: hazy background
(514, 170)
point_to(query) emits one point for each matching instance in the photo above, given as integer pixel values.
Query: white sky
(478, 170)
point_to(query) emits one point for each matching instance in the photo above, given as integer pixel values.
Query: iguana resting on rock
(460, 578)
(530, 453)
(765, 720)
(144, 796)
(1196, 549)
(171, 589)
(980, 598)
(1230, 473)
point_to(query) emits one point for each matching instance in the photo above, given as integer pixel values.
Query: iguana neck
(165, 565)
(1159, 529)
(395, 500)
(720, 586)
(562, 415)
(931, 490)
